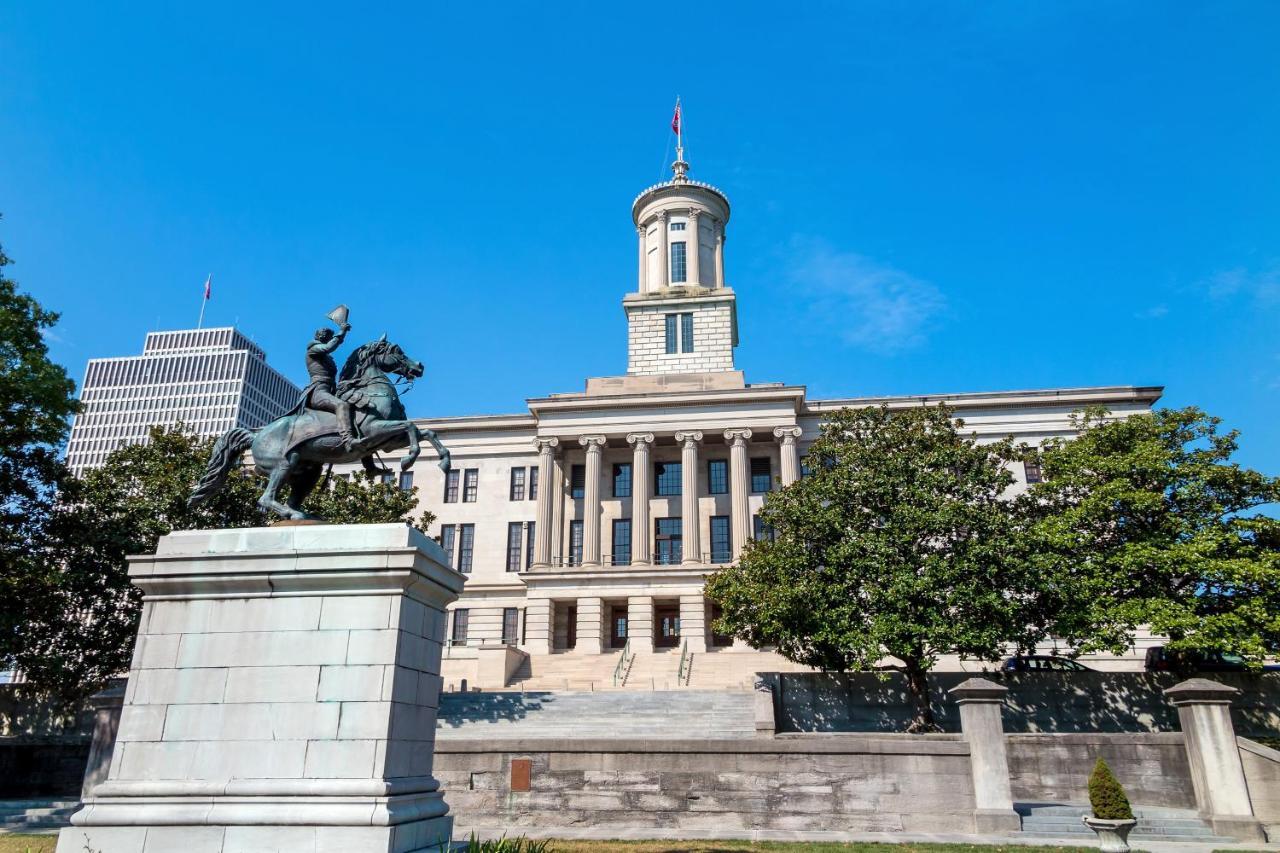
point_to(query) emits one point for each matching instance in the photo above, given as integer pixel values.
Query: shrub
(507, 845)
(1106, 796)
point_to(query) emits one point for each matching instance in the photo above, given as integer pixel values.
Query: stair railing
(686, 664)
(620, 669)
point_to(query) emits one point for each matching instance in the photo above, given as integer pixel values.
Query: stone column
(557, 548)
(590, 626)
(283, 696)
(641, 536)
(644, 259)
(537, 626)
(739, 478)
(691, 248)
(980, 703)
(690, 531)
(790, 453)
(547, 487)
(719, 229)
(591, 500)
(664, 246)
(1217, 774)
(693, 622)
(640, 623)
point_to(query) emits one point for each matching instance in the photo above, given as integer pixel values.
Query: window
(622, 541)
(1032, 469)
(466, 547)
(686, 333)
(460, 619)
(517, 484)
(718, 476)
(533, 483)
(578, 481)
(470, 485)
(761, 474)
(721, 543)
(622, 480)
(761, 531)
(446, 541)
(451, 486)
(575, 543)
(677, 226)
(510, 625)
(515, 540)
(528, 546)
(406, 481)
(667, 541)
(672, 343)
(679, 333)
(677, 263)
(666, 476)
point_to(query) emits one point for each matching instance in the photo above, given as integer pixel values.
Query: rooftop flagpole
(204, 299)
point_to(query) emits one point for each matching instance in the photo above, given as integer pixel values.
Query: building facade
(589, 522)
(210, 380)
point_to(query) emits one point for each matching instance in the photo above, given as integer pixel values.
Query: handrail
(686, 664)
(622, 661)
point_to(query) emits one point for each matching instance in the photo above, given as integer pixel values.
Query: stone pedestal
(1217, 774)
(282, 696)
(980, 703)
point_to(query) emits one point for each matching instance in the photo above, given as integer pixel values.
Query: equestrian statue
(338, 419)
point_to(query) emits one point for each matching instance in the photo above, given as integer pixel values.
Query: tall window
(447, 533)
(515, 540)
(677, 226)
(466, 547)
(510, 625)
(622, 541)
(406, 481)
(460, 620)
(667, 541)
(575, 543)
(718, 476)
(686, 333)
(721, 543)
(1032, 469)
(672, 330)
(533, 483)
(578, 481)
(666, 478)
(451, 486)
(761, 474)
(622, 480)
(470, 485)
(677, 263)
(761, 531)
(678, 329)
(528, 546)
(517, 484)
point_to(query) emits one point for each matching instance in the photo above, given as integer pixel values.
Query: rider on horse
(322, 393)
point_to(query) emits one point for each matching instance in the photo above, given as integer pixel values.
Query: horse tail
(226, 453)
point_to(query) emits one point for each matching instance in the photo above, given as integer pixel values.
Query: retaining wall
(1262, 771)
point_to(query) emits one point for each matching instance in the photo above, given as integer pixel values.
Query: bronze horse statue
(293, 449)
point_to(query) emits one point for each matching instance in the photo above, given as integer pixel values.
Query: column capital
(688, 438)
(787, 434)
(546, 445)
(639, 438)
(662, 216)
(592, 443)
(738, 437)
(641, 230)
(694, 213)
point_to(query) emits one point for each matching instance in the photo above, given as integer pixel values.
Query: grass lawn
(28, 843)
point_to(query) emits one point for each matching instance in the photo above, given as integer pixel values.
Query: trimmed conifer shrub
(1106, 796)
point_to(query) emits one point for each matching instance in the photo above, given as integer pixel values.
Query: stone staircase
(35, 815)
(656, 670)
(724, 669)
(648, 714)
(1056, 820)
(567, 671)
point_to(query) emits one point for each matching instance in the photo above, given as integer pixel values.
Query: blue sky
(927, 198)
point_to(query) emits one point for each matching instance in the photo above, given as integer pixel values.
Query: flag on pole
(675, 119)
(208, 286)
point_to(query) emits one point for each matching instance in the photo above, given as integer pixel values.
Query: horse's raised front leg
(445, 462)
(411, 430)
(269, 500)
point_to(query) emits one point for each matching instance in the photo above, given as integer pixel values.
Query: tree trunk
(918, 685)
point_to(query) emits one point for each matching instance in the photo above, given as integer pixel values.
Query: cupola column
(644, 260)
(664, 263)
(691, 247)
(719, 232)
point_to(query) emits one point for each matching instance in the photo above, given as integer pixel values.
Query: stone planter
(1113, 834)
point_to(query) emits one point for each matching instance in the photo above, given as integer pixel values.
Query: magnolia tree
(899, 543)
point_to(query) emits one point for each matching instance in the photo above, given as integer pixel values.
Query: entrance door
(571, 630)
(666, 621)
(617, 626)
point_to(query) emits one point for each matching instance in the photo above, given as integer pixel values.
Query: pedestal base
(415, 837)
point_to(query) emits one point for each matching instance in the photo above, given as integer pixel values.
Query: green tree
(899, 543)
(1146, 520)
(35, 401)
(365, 499)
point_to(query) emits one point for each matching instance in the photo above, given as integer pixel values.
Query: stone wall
(1048, 768)
(1262, 770)
(900, 783)
(1037, 701)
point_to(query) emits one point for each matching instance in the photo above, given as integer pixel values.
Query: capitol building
(588, 524)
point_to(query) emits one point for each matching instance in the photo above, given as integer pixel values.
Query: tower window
(672, 344)
(677, 226)
(679, 333)
(677, 263)
(686, 333)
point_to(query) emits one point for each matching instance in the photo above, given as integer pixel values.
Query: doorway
(617, 626)
(666, 623)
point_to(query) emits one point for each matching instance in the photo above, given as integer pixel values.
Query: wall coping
(783, 744)
(1258, 749)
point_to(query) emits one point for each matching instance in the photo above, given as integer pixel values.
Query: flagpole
(204, 300)
(679, 131)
